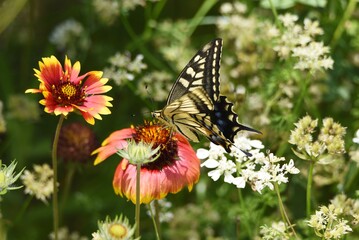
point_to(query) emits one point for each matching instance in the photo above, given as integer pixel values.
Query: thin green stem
(23, 208)
(309, 188)
(352, 180)
(158, 9)
(303, 93)
(138, 204)
(71, 168)
(284, 214)
(141, 46)
(340, 28)
(155, 219)
(55, 207)
(275, 14)
(200, 14)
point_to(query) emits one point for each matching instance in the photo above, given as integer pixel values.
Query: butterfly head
(159, 116)
(156, 114)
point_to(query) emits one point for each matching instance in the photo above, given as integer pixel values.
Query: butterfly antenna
(151, 98)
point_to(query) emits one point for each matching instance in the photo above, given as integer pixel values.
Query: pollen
(69, 90)
(158, 135)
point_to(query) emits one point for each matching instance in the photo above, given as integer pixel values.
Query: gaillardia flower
(176, 167)
(65, 91)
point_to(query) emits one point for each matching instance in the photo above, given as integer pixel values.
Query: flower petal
(116, 141)
(156, 184)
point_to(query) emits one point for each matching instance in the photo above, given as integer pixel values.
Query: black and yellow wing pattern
(194, 104)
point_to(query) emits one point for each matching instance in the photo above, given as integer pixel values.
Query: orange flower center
(158, 135)
(67, 93)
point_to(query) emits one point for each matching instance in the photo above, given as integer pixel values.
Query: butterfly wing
(201, 71)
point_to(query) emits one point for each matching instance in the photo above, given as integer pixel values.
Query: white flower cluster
(123, 69)
(259, 170)
(298, 41)
(69, 36)
(165, 215)
(354, 152)
(158, 83)
(65, 234)
(330, 138)
(39, 182)
(277, 230)
(107, 10)
(327, 223)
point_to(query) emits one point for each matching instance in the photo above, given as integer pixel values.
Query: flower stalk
(309, 188)
(155, 218)
(285, 217)
(138, 203)
(55, 207)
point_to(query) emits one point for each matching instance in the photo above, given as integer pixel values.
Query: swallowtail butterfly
(194, 104)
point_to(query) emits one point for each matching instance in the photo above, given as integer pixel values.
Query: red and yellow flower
(66, 91)
(176, 167)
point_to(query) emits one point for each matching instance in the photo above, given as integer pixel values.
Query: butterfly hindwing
(194, 104)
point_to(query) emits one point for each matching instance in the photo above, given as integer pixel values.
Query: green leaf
(314, 3)
(278, 4)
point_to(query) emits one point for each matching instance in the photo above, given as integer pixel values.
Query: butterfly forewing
(194, 103)
(201, 71)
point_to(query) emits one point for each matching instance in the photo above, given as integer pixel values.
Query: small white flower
(165, 215)
(312, 27)
(65, 234)
(288, 19)
(68, 36)
(291, 168)
(259, 170)
(356, 138)
(202, 153)
(39, 182)
(123, 69)
(210, 163)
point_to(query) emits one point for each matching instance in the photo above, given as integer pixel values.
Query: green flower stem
(155, 218)
(275, 14)
(70, 172)
(23, 209)
(285, 217)
(151, 15)
(141, 45)
(303, 94)
(340, 28)
(55, 207)
(200, 14)
(138, 177)
(309, 187)
(352, 181)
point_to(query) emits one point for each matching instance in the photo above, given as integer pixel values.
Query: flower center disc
(161, 136)
(67, 93)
